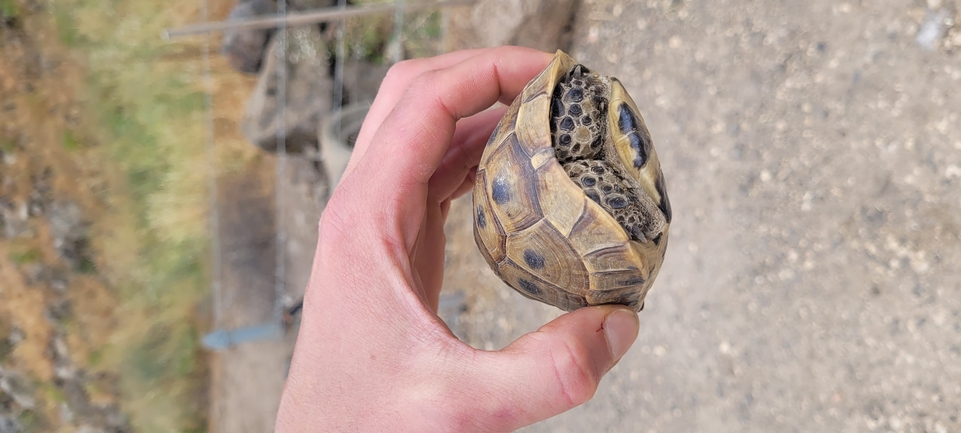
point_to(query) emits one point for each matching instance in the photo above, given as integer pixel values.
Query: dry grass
(144, 98)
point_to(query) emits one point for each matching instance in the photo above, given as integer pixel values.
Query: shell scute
(513, 198)
(558, 198)
(490, 234)
(544, 252)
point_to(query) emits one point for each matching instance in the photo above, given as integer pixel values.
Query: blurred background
(160, 186)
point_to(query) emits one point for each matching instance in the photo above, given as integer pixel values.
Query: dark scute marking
(587, 120)
(607, 188)
(534, 260)
(640, 157)
(597, 142)
(567, 124)
(657, 239)
(588, 180)
(599, 169)
(625, 119)
(500, 190)
(665, 203)
(593, 196)
(528, 286)
(582, 69)
(633, 281)
(481, 218)
(557, 108)
(558, 92)
(617, 202)
(575, 110)
(575, 94)
(577, 148)
(565, 139)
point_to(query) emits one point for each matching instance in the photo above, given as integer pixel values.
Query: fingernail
(620, 329)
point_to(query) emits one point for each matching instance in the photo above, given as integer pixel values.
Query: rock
(116, 419)
(66, 414)
(539, 24)
(17, 388)
(16, 335)
(308, 93)
(34, 273)
(244, 48)
(8, 425)
(69, 232)
(35, 204)
(932, 29)
(14, 220)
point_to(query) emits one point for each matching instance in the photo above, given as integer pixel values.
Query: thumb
(554, 369)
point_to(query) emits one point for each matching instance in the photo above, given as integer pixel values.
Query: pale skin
(372, 354)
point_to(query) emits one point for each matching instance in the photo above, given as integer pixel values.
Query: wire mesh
(216, 258)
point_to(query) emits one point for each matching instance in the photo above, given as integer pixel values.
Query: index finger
(393, 87)
(413, 139)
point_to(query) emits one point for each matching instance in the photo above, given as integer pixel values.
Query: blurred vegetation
(371, 37)
(147, 115)
(9, 10)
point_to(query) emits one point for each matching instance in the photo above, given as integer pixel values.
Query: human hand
(372, 355)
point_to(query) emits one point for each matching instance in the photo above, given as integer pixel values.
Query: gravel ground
(813, 159)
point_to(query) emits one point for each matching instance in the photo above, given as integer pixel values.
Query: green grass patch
(70, 141)
(95, 357)
(66, 26)
(7, 145)
(152, 247)
(31, 421)
(25, 255)
(9, 9)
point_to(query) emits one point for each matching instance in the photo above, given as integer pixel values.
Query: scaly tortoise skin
(570, 202)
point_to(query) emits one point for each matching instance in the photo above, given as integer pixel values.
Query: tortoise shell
(570, 202)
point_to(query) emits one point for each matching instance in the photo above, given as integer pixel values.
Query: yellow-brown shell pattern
(538, 230)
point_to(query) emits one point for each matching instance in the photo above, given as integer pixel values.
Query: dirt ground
(812, 154)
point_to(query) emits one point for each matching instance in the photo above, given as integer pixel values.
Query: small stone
(17, 388)
(244, 48)
(531, 23)
(307, 93)
(8, 425)
(69, 231)
(932, 29)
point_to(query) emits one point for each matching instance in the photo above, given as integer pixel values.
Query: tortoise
(570, 204)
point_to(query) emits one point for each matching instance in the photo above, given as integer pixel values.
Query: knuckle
(577, 378)
(423, 81)
(401, 72)
(336, 221)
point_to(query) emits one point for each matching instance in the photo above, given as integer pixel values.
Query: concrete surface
(812, 153)
(247, 379)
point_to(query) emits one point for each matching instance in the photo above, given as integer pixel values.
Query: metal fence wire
(408, 30)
